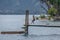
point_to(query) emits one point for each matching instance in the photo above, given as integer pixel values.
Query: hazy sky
(8, 5)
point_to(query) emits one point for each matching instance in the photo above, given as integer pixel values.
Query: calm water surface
(15, 22)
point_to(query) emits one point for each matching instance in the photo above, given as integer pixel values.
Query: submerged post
(26, 22)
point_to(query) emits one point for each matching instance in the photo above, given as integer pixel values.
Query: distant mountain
(20, 6)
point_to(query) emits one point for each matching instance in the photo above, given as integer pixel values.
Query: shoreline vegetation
(43, 17)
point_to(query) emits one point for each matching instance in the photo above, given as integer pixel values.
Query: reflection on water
(15, 22)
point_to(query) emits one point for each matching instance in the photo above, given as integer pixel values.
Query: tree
(52, 11)
(55, 3)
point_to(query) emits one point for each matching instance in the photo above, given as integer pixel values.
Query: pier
(12, 32)
(26, 25)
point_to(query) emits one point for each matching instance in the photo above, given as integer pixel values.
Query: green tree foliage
(53, 1)
(52, 11)
(59, 2)
(56, 5)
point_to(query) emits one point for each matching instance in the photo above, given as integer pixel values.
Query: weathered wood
(27, 17)
(12, 32)
(26, 22)
(43, 25)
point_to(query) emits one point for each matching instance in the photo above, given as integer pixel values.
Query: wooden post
(26, 22)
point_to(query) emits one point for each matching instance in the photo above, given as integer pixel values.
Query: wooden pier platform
(12, 32)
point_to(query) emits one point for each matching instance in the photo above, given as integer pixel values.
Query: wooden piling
(26, 22)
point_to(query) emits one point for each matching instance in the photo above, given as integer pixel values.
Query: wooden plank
(12, 32)
(43, 25)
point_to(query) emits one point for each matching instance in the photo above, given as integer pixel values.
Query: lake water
(15, 22)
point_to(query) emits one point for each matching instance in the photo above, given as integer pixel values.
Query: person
(33, 19)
